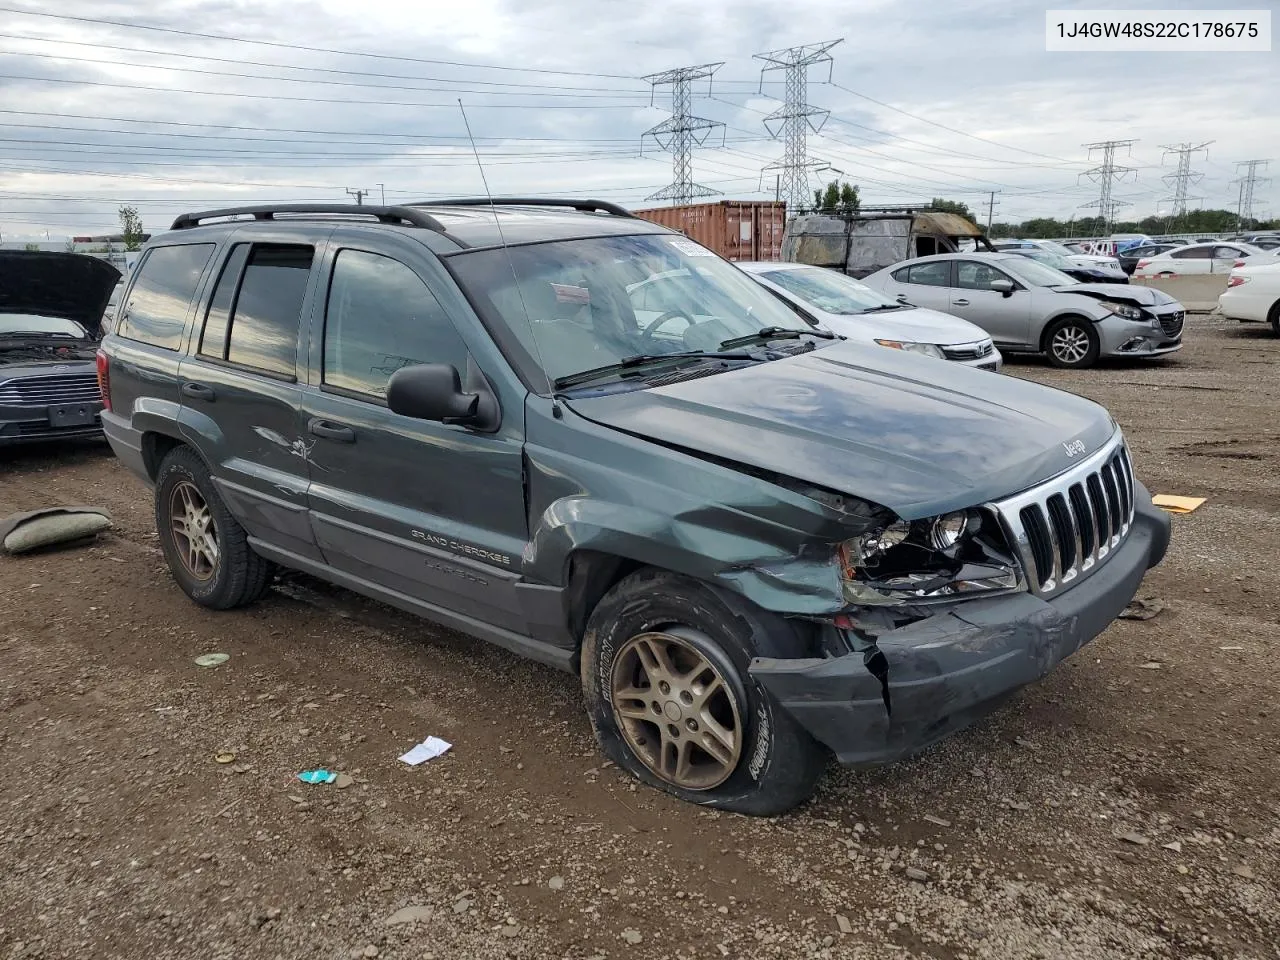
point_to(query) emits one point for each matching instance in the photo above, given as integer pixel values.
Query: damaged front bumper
(948, 670)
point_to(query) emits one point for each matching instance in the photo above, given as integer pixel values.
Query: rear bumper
(955, 667)
(126, 443)
(1250, 307)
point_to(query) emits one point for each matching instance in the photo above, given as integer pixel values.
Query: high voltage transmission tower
(1244, 204)
(795, 118)
(1184, 176)
(1105, 174)
(680, 132)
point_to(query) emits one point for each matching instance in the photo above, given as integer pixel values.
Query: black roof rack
(585, 206)
(399, 214)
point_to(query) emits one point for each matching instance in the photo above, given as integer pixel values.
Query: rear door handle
(198, 391)
(960, 303)
(338, 432)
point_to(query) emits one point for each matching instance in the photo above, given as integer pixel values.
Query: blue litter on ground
(317, 776)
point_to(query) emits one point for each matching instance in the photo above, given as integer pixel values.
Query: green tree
(70, 246)
(839, 198)
(952, 206)
(131, 228)
(849, 200)
(31, 246)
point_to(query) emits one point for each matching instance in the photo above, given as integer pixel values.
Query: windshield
(585, 304)
(1057, 248)
(828, 291)
(12, 324)
(1035, 274)
(1057, 261)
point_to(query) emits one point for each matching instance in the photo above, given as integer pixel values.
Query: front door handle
(959, 303)
(338, 432)
(198, 391)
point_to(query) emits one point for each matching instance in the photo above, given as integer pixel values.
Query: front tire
(665, 679)
(207, 551)
(1072, 343)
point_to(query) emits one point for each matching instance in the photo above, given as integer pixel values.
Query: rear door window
(936, 274)
(156, 312)
(1192, 253)
(263, 328)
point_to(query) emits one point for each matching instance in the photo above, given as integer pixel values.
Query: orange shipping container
(735, 229)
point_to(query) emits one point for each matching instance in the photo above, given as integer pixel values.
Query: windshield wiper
(640, 359)
(774, 333)
(885, 306)
(36, 335)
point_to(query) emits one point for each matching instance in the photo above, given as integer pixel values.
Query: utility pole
(795, 118)
(382, 193)
(1250, 180)
(358, 194)
(1184, 176)
(1105, 174)
(991, 209)
(682, 131)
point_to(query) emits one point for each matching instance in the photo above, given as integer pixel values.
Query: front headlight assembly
(937, 558)
(1124, 310)
(927, 349)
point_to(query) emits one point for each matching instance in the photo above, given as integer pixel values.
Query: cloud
(172, 122)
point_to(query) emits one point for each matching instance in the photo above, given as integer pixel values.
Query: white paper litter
(428, 749)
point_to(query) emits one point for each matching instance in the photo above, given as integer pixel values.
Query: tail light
(1238, 263)
(104, 379)
(1143, 263)
(1234, 281)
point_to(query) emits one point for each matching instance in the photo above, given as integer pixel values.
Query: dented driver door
(432, 511)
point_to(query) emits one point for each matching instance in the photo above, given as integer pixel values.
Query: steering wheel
(652, 327)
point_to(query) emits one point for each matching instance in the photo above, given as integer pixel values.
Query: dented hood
(916, 435)
(73, 286)
(1134, 293)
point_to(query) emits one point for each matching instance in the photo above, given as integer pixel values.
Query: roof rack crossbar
(397, 214)
(586, 206)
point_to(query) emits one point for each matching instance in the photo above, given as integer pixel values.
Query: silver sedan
(1028, 307)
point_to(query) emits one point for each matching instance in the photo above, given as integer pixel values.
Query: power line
(358, 194)
(1184, 176)
(1105, 175)
(297, 46)
(682, 130)
(795, 117)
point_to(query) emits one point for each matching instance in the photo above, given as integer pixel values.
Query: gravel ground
(1124, 807)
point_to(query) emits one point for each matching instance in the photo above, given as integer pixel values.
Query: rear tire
(207, 551)
(1273, 317)
(667, 640)
(1072, 343)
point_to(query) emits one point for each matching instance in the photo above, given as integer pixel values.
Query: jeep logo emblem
(1074, 448)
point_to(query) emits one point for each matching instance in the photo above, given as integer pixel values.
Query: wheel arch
(1058, 318)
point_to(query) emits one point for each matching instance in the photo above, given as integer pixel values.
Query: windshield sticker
(689, 248)
(567, 293)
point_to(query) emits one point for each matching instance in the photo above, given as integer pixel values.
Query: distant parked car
(1196, 258)
(855, 311)
(1076, 271)
(1253, 294)
(1108, 265)
(1030, 308)
(1129, 258)
(51, 307)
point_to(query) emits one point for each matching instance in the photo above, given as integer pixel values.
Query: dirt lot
(1125, 807)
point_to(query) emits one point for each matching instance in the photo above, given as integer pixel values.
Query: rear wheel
(1072, 342)
(664, 675)
(1273, 317)
(207, 551)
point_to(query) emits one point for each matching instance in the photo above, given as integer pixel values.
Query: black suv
(587, 438)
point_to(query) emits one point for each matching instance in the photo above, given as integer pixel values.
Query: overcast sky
(94, 114)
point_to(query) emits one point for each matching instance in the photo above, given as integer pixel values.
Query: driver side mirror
(1002, 287)
(433, 391)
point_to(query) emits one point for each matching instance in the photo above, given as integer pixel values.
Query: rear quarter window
(156, 312)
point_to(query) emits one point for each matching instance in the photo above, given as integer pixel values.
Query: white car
(1253, 294)
(1106, 264)
(852, 309)
(1197, 258)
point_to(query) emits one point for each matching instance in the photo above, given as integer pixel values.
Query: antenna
(497, 222)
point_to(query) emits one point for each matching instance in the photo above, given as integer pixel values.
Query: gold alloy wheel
(676, 712)
(194, 535)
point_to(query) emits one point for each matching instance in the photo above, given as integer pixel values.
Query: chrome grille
(969, 351)
(1171, 323)
(56, 388)
(1065, 528)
